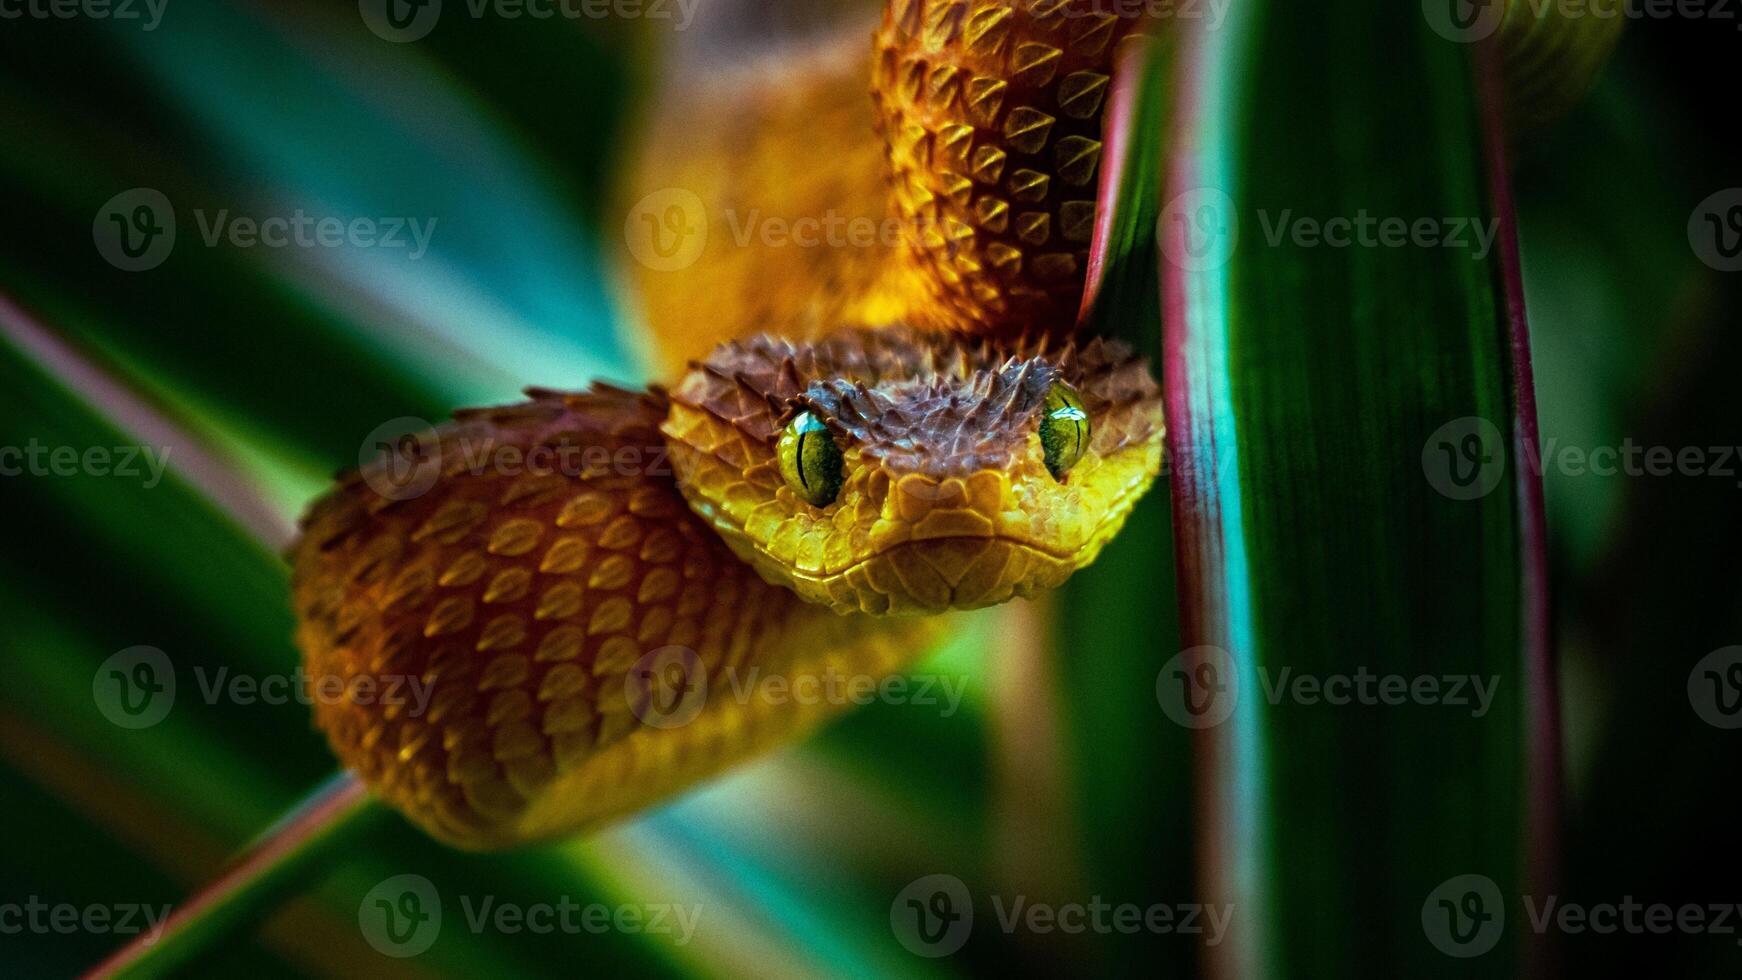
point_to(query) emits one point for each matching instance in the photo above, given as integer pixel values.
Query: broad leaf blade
(1335, 518)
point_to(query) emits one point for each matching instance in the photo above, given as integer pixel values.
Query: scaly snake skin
(587, 635)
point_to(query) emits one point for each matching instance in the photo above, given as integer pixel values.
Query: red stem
(266, 864)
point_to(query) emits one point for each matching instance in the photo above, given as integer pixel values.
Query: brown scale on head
(939, 479)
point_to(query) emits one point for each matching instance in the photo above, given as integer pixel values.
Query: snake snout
(946, 506)
(937, 543)
(921, 507)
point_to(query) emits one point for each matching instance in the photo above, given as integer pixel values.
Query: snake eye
(810, 461)
(1064, 429)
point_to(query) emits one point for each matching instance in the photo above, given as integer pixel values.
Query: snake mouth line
(1071, 558)
(1024, 544)
(885, 552)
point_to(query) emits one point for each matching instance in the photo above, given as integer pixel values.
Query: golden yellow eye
(810, 461)
(1064, 429)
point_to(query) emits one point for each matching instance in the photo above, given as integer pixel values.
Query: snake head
(898, 472)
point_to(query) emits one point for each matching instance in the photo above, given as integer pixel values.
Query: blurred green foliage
(507, 133)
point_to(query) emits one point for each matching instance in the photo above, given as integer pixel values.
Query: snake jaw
(947, 502)
(934, 545)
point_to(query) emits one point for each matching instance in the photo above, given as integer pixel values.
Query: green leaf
(1345, 423)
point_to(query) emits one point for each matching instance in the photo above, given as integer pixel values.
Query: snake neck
(990, 119)
(956, 192)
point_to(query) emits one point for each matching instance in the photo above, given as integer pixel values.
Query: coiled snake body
(595, 638)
